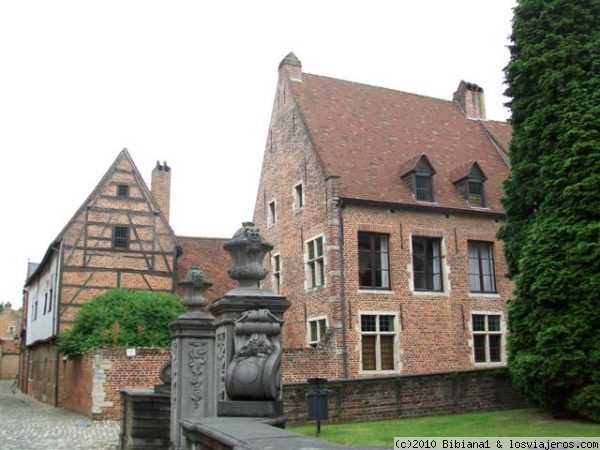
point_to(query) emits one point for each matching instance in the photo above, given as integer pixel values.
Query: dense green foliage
(552, 201)
(517, 422)
(123, 318)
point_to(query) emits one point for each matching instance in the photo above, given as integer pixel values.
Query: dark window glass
(51, 299)
(476, 193)
(121, 237)
(487, 338)
(481, 267)
(478, 322)
(424, 188)
(387, 352)
(386, 323)
(427, 264)
(368, 352)
(316, 275)
(299, 197)
(123, 190)
(373, 260)
(368, 323)
(479, 345)
(494, 340)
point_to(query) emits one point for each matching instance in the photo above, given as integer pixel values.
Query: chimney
(161, 187)
(292, 67)
(470, 98)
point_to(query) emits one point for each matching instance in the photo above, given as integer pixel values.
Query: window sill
(483, 295)
(377, 291)
(298, 210)
(314, 289)
(378, 372)
(431, 293)
(490, 364)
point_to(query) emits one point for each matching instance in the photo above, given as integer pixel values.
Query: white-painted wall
(42, 326)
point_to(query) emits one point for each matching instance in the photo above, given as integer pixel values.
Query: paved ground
(27, 424)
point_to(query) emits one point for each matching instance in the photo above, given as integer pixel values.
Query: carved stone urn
(247, 249)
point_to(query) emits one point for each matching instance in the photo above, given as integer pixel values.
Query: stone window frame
(317, 261)
(271, 213)
(11, 330)
(480, 275)
(502, 333)
(276, 278)
(320, 334)
(396, 345)
(372, 255)
(120, 242)
(298, 200)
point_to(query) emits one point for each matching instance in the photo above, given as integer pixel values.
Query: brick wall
(299, 364)
(408, 396)
(91, 383)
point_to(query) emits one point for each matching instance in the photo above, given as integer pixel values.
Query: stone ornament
(194, 284)
(247, 249)
(255, 370)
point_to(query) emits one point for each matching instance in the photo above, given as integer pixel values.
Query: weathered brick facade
(329, 135)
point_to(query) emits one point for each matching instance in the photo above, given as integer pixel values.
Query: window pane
(320, 277)
(479, 347)
(311, 250)
(122, 190)
(364, 242)
(420, 281)
(313, 331)
(386, 344)
(322, 328)
(474, 283)
(475, 193)
(319, 242)
(364, 260)
(495, 352)
(386, 323)
(424, 189)
(367, 323)
(478, 322)
(365, 278)
(493, 323)
(368, 353)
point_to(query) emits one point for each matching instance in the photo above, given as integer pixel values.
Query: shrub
(125, 318)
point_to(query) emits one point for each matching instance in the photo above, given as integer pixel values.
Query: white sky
(193, 83)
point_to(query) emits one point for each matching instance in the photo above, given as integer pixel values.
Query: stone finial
(194, 284)
(292, 66)
(247, 249)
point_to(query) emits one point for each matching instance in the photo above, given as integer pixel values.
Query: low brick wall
(299, 364)
(408, 396)
(92, 383)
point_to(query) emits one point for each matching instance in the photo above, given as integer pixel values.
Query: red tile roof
(365, 134)
(501, 132)
(207, 253)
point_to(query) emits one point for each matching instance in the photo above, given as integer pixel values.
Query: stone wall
(91, 383)
(408, 396)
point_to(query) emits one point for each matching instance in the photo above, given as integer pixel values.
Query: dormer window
(469, 180)
(418, 175)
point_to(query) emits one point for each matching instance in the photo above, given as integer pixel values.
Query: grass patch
(517, 422)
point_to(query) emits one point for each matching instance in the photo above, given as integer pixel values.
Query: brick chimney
(470, 98)
(161, 187)
(291, 66)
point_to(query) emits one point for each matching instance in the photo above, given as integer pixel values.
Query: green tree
(123, 318)
(552, 234)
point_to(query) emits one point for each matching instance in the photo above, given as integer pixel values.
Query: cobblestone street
(26, 423)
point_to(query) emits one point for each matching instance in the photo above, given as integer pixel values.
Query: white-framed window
(271, 214)
(487, 338)
(427, 264)
(276, 272)
(317, 328)
(373, 261)
(379, 341)
(481, 267)
(315, 263)
(298, 197)
(11, 330)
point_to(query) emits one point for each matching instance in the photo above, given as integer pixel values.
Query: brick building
(119, 237)
(10, 334)
(383, 208)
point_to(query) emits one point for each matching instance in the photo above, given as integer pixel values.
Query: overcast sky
(193, 83)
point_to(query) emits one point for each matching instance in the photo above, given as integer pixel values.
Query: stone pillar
(248, 334)
(193, 384)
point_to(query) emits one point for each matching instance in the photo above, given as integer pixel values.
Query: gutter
(56, 318)
(342, 289)
(480, 212)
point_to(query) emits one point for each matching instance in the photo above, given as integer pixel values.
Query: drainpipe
(342, 289)
(56, 317)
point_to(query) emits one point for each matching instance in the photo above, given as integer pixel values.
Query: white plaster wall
(43, 326)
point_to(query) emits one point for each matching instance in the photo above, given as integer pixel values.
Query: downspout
(342, 289)
(56, 317)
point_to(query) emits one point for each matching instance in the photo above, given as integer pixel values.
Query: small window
(298, 197)
(276, 275)
(487, 338)
(481, 267)
(51, 299)
(35, 310)
(45, 303)
(317, 328)
(373, 261)
(423, 181)
(378, 336)
(427, 264)
(475, 193)
(121, 237)
(271, 214)
(314, 263)
(123, 190)
(11, 330)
